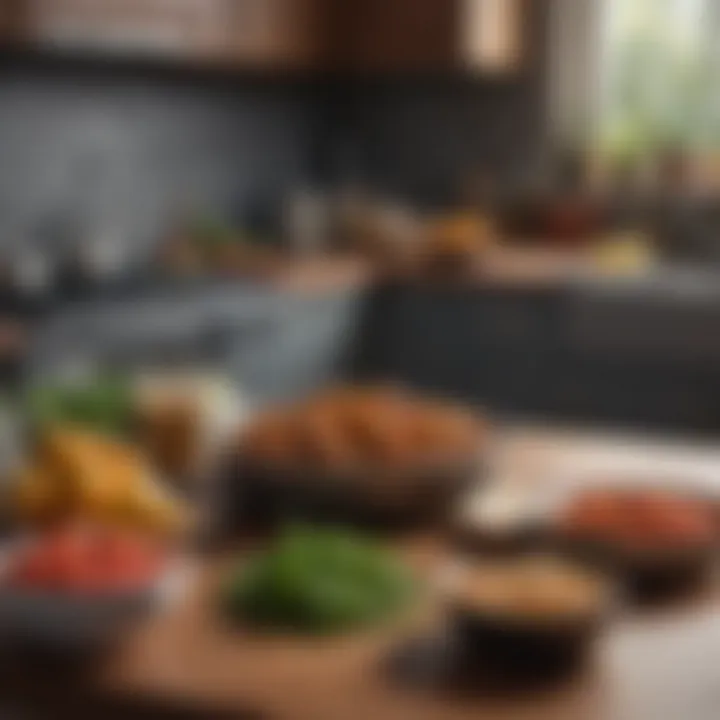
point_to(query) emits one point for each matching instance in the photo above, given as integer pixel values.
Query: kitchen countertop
(652, 665)
(504, 267)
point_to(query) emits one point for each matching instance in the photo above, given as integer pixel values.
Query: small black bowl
(529, 645)
(648, 576)
(669, 578)
(530, 649)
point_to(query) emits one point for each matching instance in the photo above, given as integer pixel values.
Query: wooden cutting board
(192, 658)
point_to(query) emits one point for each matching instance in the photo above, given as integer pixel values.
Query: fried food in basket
(356, 428)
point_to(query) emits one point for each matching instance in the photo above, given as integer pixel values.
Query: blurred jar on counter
(574, 212)
(307, 222)
(381, 229)
(32, 274)
(104, 256)
(457, 242)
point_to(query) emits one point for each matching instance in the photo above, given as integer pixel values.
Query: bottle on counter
(104, 256)
(32, 275)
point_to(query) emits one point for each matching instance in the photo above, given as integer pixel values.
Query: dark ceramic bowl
(265, 496)
(512, 647)
(648, 575)
(511, 644)
(655, 571)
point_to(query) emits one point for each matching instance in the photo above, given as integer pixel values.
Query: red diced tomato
(81, 559)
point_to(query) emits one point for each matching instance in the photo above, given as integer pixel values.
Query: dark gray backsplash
(420, 142)
(127, 147)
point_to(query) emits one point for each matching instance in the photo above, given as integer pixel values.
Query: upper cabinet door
(138, 27)
(432, 35)
(245, 33)
(401, 35)
(11, 15)
(279, 33)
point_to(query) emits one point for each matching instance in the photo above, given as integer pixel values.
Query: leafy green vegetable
(210, 232)
(319, 581)
(104, 404)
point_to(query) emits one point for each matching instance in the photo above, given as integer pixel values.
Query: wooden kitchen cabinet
(272, 34)
(354, 36)
(478, 36)
(289, 34)
(10, 17)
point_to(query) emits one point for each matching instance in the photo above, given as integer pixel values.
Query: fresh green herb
(319, 581)
(103, 404)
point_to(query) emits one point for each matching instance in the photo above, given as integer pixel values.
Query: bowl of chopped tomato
(79, 584)
(659, 541)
